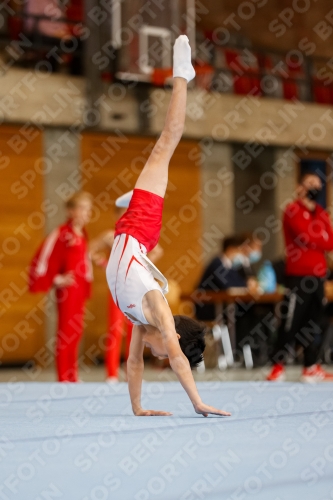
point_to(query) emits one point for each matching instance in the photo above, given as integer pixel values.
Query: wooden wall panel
(106, 175)
(21, 230)
(267, 25)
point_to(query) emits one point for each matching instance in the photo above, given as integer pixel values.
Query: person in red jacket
(62, 262)
(308, 236)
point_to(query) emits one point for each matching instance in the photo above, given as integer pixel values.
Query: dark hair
(232, 241)
(192, 338)
(250, 237)
(306, 174)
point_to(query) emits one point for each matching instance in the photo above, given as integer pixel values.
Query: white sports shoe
(314, 374)
(112, 380)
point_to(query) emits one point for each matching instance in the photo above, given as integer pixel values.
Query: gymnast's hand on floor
(151, 413)
(205, 410)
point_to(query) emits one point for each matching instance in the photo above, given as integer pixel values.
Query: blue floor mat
(81, 442)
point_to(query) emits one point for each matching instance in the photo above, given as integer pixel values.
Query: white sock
(182, 65)
(124, 200)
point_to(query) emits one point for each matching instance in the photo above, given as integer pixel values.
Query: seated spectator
(222, 273)
(233, 269)
(252, 247)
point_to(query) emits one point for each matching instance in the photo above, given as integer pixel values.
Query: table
(210, 297)
(226, 333)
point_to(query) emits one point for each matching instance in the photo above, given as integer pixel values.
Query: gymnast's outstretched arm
(158, 314)
(135, 367)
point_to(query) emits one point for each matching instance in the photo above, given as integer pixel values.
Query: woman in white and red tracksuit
(62, 261)
(308, 236)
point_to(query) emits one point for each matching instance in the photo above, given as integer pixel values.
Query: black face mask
(313, 194)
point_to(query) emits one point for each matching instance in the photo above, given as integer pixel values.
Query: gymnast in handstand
(130, 273)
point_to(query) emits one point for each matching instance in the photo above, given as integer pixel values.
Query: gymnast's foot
(182, 65)
(124, 200)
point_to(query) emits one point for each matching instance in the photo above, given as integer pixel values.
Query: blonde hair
(77, 197)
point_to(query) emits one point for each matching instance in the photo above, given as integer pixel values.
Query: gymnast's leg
(154, 176)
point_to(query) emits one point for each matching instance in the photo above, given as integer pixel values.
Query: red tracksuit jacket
(308, 235)
(61, 251)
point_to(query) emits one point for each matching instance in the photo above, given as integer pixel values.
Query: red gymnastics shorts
(143, 218)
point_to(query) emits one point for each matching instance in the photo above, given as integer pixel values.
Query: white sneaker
(112, 380)
(314, 374)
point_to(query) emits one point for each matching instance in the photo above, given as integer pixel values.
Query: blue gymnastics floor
(81, 442)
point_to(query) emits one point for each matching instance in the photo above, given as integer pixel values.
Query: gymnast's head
(191, 338)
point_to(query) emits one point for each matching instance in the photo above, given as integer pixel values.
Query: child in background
(62, 261)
